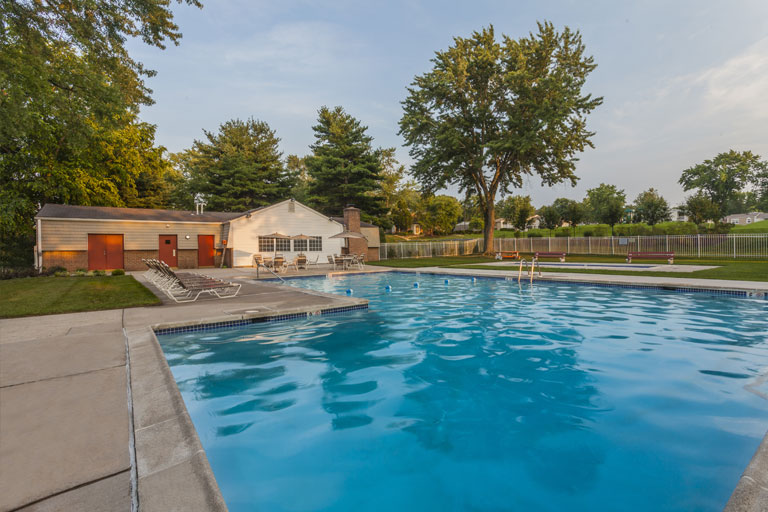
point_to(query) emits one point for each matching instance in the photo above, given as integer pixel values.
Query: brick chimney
(352, 218)
(352, 222)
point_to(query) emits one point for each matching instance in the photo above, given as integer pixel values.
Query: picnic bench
(507, 255)
(559, 255)
(669, 256)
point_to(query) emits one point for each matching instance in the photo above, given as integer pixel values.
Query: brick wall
(187, 258)
(71, 260)
(133, 259)
(372, 254)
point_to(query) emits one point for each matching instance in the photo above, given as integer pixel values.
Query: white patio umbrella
(276, 235)
(348, 234)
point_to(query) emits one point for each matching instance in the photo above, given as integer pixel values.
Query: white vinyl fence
(754, 246)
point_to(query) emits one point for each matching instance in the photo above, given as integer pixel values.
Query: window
(283, 244)
(735, 221)
(749, 221)
(316, 243)
(266, 244)
(300, 245)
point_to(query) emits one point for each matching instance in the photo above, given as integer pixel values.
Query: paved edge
(157, 402)
(751, 493)
(172, 470)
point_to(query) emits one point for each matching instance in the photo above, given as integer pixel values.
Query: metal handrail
(531, 271)
(269, 270)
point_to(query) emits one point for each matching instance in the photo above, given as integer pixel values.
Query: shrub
(61, 274)
(99, 273)
(563, 232)
(54, 270)
(81, 270)
(535, 235)
(638, 229)
(80, 273)
(118, 272)
(16, 273)
(675, 228)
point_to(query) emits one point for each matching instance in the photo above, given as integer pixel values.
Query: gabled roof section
(340, 220)
(64, 211)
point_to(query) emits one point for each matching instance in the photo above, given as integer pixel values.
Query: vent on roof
(292, 206)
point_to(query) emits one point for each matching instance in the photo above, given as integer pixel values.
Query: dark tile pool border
(258, 320)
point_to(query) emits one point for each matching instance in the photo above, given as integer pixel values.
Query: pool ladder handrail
(259, 265)
(531, 271)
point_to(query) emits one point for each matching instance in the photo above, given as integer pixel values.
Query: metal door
(205, 251)
(168, 250)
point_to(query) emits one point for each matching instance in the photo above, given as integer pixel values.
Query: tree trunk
(489, 217)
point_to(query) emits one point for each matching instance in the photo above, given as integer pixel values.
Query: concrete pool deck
(92, 418)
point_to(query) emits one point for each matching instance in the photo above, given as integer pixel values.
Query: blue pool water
(482, 396)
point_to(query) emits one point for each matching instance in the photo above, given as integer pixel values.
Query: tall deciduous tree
(516, 210)
(572, 212)
(67, 80)
(605, 204)
(239, 167)
(651, 208)
(490, 113)
(550, 217)
(700, 209)
(344, 167)
(724, 176)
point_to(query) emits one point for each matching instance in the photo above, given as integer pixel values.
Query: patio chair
(258, 259)
(279, 264)
(315, 263)
(338, 261)
(301, 262)
(188, 286)
(332, 261)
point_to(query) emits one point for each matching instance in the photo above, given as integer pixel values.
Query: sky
(681, 80)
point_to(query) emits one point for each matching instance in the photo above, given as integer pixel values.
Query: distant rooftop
(64, 211)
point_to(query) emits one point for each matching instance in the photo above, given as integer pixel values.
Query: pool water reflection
(481, 396)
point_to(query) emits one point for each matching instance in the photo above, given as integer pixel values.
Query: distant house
(745, 218)
(96, 238)
(462, 226)
(533, 222)
(676, 215)
(416, 229)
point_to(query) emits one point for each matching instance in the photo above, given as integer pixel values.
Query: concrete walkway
(88, 404)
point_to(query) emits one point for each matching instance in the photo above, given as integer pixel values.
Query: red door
(168, 249)
(205, 251)
(105, 252)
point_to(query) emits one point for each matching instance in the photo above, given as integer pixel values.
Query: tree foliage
(344, 167)
(605, 204)
(700, 209)
(490, 113)
(516, 210)
(441, 214)
(651, 208)
(722, 178)
(237, 168)
(550, 217)
(572, 212)
(70, 93)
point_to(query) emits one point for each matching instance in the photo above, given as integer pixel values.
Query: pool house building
(100, 238)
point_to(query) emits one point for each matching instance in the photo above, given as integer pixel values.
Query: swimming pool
(482, 395)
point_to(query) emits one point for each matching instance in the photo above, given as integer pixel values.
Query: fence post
(667, 237)
(589, 245)
(549, 243)
(734, 246)
(568, 245)
(612, 249)
(698, 243)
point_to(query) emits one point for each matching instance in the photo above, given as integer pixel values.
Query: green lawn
(49, 295)
(727, 269)
(757, 227)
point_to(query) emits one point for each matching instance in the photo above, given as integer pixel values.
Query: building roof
(340, 220)
(64, 211)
